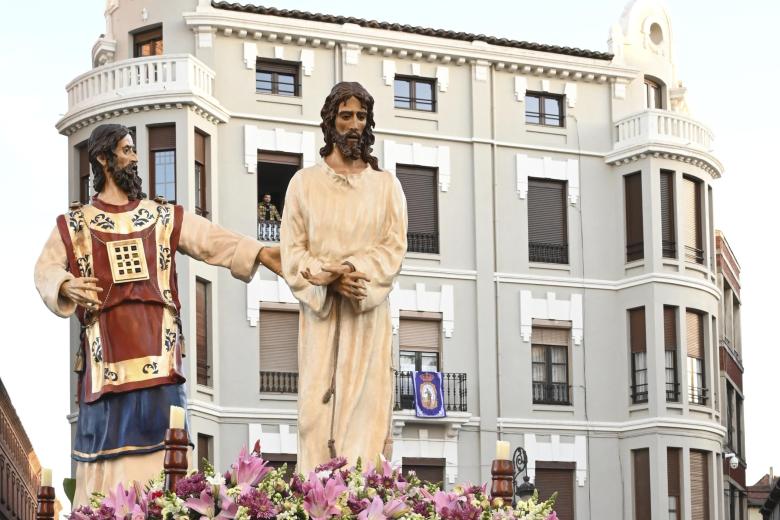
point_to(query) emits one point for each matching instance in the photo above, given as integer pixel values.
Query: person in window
(113, 263)
(266, 210)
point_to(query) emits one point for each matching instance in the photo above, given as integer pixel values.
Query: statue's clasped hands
(343, 279)
(82, 291)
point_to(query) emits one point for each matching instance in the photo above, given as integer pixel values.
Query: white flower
(217, 480)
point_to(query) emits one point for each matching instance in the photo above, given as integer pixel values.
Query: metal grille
(551, 393)
(268, 231)
(548, 253)
(422, 242)
(455, 391)
(279, 382)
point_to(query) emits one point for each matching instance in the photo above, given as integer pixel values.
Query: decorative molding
(204, 36)
(278, 52)
(418, 299)
(556, 451)
(612, 427)
(443, 78)
(547, 168)
(103, 52)
(546, 85)
(481, 68)
(550, 308)
(388, 72)
(307, 61)
(423, 446)
(570, 90)
(521, 86)
(418, 154)
(259, 290)
(282, 441)
(250, 55)
(619, 89)
(277, 140)
(352, 54)
(416, 69)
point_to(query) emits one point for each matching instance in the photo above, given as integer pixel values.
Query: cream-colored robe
(199, 239)
(333, 218)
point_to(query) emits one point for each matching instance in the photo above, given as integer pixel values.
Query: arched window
(653, 93)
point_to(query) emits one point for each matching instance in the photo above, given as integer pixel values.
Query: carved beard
(127, 180)
(349, 151)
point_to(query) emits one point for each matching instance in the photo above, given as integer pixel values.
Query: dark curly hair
(340, 93)
(103, 140)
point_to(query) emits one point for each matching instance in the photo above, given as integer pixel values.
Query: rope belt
(331, 392)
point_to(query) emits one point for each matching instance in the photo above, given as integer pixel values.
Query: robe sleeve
(382, 263)
(51, 272)
(295, 253)
(215, 245)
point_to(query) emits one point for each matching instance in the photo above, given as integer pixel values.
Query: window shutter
(280, 67)
(670, 328)
(691, 195)
(700, 489)
(642, 502)
(204, 450)
(420, 335)
(152, 34)
(548, 481)
(427, 469)
(547, 212)
(290, 159)
(667, 215)
(550, 336)
(636, 325)
(162, 137)
(694, 335)
(278, 341)
(419, 185)
(200, 148)
(634, 235)
(673, 471)
(201, 332)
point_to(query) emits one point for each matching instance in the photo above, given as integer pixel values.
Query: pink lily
(121, 501)
(374, 511)
(552, 516)
(320, 501)
(394, 508)
(442, 500)
(248, 470)
(206, 506)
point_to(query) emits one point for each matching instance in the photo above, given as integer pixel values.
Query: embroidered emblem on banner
(428, 395)
(128, 261)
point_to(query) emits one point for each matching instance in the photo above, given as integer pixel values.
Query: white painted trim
(433, 272)
(419, 299)
(250, 55)
(258, 290)
(521, 85)
(278, 52)
(550, 308)
(616, 427)
(443, 78)
(557, 451)
(388, 72)
(546, 85)
(416, 71)
(547, 168)
(284, 441)
(279, 140)
(352, 54)
(481, 68)
(570, 90)
(418, 154)
(307, 61)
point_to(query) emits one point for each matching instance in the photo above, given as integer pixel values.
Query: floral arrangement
(251, 490)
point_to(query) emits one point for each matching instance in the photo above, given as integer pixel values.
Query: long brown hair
(340, 93)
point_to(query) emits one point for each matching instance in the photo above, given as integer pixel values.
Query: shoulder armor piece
(160, 200)
(75, 204)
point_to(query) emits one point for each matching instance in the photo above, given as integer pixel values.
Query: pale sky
(723, 51)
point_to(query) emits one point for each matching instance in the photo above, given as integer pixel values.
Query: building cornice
(614, 428)
(404, 45)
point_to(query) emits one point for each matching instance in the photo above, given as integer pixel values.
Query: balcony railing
(268, 230)
(698, 395)
(672, 392)
(548, 253)
(694, 254)
(669, 249)
(639, 393)
(422, 242)
(279, 382)
(455, 392)
(551, 393)
(203, 371)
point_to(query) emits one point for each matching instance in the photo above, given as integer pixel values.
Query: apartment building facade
(561, 271)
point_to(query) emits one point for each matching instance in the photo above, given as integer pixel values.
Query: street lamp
(526, 489)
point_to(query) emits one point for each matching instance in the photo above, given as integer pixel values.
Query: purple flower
(249, 470)
(443, 500)
(191, 486)
(332, 464)
(320, 501)
(420, 508)
(258, 504)
(552, 516)
(121, 501)
(85, 513)
(356, 505)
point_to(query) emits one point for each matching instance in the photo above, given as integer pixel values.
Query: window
(277, 77)
(205, 450)
(642, 501)
(636, 325)
(415, 93)
(557, 476)
(202, 339)
(635, 246)
(420, 348)
(84, 168)
(419, 185)
(279, 350)
(700, 487)
(277, 460)
(547, 226)
(550, 365)
(201, 185)
(543, 109)
(711, 228)
(162, 162)
(427, 469)
(697, 392)
(653, 93)
(670, 354)
(668, 242)
(734, 418)
(274, 171)
(691, 196)
(148, 43)
(673, 482)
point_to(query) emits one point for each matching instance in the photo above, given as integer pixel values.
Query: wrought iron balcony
(551, 393)
(203, 373)
(455, 392)
(268, 230)
(639, 393)
(422, 242)
(548, 253)
(279, 382)
(672, 392)
(698, 395)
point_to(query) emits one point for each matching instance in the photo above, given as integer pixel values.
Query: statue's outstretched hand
(271, 257)
(82, 291)
(324, 277)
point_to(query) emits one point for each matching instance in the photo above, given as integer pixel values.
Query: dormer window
(148, 42)
(653, 94)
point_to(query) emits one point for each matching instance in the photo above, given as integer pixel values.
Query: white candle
(177, 418)
(502, 450)
(46, 477)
